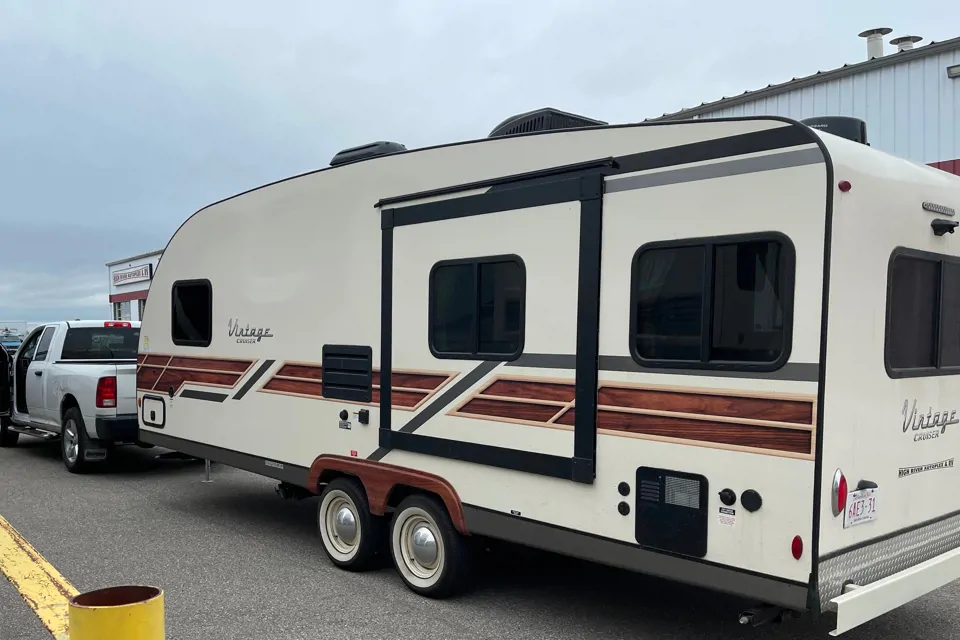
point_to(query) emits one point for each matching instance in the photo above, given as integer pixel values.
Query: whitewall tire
(352, 537)
(431, 556)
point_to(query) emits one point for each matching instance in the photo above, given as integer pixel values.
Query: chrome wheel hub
(345, 525)
(423, 546)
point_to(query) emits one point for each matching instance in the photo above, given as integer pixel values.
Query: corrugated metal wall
(912, 109)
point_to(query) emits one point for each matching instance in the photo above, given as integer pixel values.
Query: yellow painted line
(42, 586)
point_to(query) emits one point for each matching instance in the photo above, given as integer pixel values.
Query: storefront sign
(135, 274)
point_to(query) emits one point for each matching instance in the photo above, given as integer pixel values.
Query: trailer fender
(380, 479)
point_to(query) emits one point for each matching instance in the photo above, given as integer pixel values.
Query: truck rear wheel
(7, 438)
(432, 557)
(353, 538)
(74, 442)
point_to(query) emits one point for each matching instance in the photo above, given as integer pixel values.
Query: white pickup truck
(75, 381)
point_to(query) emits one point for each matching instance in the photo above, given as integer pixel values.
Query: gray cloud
(120, 119)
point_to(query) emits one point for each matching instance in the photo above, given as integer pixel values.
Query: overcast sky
(120, 118)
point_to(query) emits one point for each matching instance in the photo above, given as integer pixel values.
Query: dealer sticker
(728, 517)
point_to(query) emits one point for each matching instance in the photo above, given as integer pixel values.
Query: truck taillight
(107, 392)
(110, 323)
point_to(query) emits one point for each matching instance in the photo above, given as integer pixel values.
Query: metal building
(909, 98)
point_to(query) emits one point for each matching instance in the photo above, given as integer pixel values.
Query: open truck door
(7, 438)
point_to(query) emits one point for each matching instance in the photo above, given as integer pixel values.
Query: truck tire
(431, 556)
(7, 438)
(353, 538)
(74, 442)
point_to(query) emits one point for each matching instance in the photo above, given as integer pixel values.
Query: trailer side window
(713, 303)
(923, 315)
(192, 313)
(477, 308)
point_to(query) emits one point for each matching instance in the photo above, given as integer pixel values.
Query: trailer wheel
(432, 557)
(7, 438)
(352, 537)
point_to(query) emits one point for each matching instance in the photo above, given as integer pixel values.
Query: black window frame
(173, 312)
(708, 243)
(476, 354)
(918, 372)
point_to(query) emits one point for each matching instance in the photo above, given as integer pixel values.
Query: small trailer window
(192, 313)
(477, 308)
(721, 302)
(923, 315)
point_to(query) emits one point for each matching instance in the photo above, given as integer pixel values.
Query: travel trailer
(722, 352)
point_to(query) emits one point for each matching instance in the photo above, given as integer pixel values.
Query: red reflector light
(125, 325)
(107, 393)
(839, 497)
(797, 547)
(844, 186)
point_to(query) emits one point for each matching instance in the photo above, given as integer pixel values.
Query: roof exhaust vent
(842, 126)
(546, 119)
(875, 41)
(905, 43)
(366, 151)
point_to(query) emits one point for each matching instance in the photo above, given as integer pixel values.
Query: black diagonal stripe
(440, 403)
(196, 394)
(447, 398)
(252, 380)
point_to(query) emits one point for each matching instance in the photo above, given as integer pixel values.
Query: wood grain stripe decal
(160, 372)
(410, 390)
(729, 419)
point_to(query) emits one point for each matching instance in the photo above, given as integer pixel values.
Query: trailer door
(490, 311)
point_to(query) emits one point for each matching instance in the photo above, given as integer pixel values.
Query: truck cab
(74, 382)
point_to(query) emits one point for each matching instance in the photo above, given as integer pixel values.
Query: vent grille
(650, 491)
(347, 373)
(542, 120)
(682, 492)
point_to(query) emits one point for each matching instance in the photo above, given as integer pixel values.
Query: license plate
(861, 507)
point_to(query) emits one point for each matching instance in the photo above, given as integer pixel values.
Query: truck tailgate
(127, 388)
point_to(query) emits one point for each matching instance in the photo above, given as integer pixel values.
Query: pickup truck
(76, 382)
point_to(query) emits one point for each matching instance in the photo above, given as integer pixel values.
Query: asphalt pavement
(235, 561)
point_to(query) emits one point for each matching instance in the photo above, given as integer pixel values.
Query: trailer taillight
(107, 392)
(112, 323)
(796, 547)
(839, 497)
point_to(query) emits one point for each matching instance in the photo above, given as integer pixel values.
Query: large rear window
(101, 343)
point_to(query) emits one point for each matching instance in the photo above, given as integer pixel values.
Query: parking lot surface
(235, 561)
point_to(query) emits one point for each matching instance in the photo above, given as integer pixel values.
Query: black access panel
(672, 511)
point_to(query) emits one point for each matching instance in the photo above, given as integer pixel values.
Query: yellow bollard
(117, 613)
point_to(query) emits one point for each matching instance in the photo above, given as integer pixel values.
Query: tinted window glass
(44, 345)
(913, 313)
(742, 290)
(669, 299)
(101, 343)
(747, 312)
(501, 304)
(476, 308)
(950, 316)
(192, 322)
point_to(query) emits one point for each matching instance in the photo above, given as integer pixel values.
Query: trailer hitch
(764, 614)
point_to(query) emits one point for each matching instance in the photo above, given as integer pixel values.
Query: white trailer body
(693, 350)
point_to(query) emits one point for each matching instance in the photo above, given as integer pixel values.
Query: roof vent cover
(546, 119)
(842, 126)
(365, 151)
